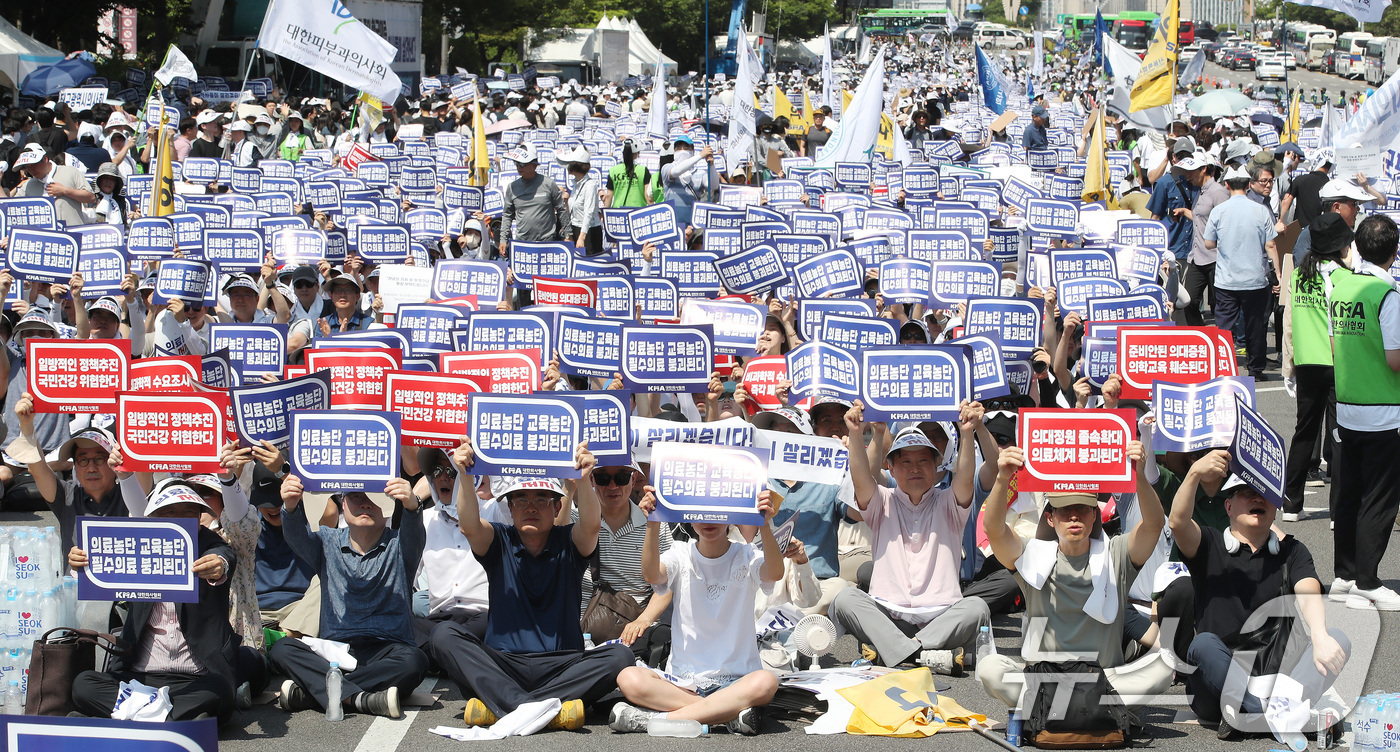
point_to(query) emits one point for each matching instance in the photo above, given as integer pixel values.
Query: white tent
(21, 54)
(641, 52)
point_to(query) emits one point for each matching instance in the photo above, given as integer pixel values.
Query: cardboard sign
(433, 406)
(42, 255)
(819, 369)
(262, 412)
(954, 282)
(736, 325)
(1258, 453)
(169, 432)
(76, 376)
(498, 371)
(667, 358)
(172, 373)
(1174, 354)
(525, 435)
(1192, 417)
(906, 280)
(1015, 321)
(141, 559)
(836, 273)
(853, 333)
(1133, 307)
(493, 330)
(589, 347)
(182, 279)
(357, 374)
(707, 483)
(920, 382)
(1051, 216)
(337, 451)
(1076, 450)
(545, 259)
(428, 326)
(761, 378)
(756, 270)
(484, 279)
(582, 293)
(253, 349)
(234, 249)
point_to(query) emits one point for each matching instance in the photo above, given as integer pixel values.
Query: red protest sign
(171, 432)
(293, 372)
(1225, 364)
(570, 292)
(1075, 450)
(461, 301)
(1176, 354)
(230, 419)
(761, 377)
(171, 373)
(357, 373)
(433, 406)
(77, 376)
(357, 156)
(498, 371)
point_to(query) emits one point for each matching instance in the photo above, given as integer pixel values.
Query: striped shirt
(620, 555)
(164, 648)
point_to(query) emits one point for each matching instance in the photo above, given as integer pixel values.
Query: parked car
(1270, 69)
(964, 31)
(1212, 50)
(1205, 31)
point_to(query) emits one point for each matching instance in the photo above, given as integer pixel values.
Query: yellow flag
(480, 157)
(806, 110)
(371, 110)
(782, 107)
(1156, 81)
(1295, 116)
(163, 197)
(1097, 183)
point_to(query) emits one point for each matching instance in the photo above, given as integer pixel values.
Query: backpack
(1094, 717)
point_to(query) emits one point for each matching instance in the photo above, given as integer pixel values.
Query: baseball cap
(523, 154)
(206, 116)
(331, 283)
(305, 274)
(106, 303)
(32, 154)
(793, 415)
(1060, 500)
(1040, 111)
(240, 280)
(1339, 188)
(687, 140)
(532, 484)
(911, 438)
(84, 439)
(205, 480)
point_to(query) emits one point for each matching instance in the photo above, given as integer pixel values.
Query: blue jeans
(1213, 663)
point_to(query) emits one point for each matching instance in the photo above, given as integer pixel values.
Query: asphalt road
(1309, 80)
(267, 728)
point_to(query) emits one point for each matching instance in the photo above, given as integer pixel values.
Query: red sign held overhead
(1076, 450)
(77, 376)
(468, 302)
(498, 371)
(433, 406)
(172, 432)
(1176, 354)
(357, 373)
(569, 292)
(171, 373)
(761, 377)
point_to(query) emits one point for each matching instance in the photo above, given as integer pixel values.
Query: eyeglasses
(535, 503)
(303, 285)
(1264, 180)
(90, 461)
(441, 470)
(620, 478)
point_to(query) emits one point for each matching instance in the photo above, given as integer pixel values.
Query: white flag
(1125, 67)
(1038, 61)
(656, 124)
(742, 127)
(325, 37)
(1362, 10)
(176, 65)
(1193, 70)
(853, 139)
(1376, 123)
(829, 92)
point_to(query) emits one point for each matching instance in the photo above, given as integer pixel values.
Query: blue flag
(1100, 30)
(994, 83)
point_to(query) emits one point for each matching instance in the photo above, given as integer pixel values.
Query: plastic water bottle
(985, 646)
(57, 562)
(28, 617)
(70, 601)
(7, 568)
(14, 699)
(674, 727)
(50, 611)
(43, 577)
(9, 617)
(1387, 736)
(588, 641)
(25, 567)
(24, 655)
(334, 710)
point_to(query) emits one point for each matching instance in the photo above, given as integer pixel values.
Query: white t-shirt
(712, 629)
(1377, 417)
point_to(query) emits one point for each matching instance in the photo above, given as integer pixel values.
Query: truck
(1381, 59)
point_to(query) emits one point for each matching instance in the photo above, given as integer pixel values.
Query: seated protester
(366, 575)
(48, 431)
(1235, 573)
(714, 674)
(173, 328)
(345, 314)
(284, 581)
(915, 611)
(985, 576)
(455, 582)
(188, 647)
(822, 507)
(249, 299)
(1075, 583)
(91, 492)
(533, 648)
(828, 416)
(306, 286)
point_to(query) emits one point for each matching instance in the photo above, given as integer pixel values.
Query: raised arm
(969, 422)
(1142, 541)
(590, 512)
(1006, 545)
(772, 555)
(1185, 531)
(300, 538)
(653, 571)
(479, 533)
(861, 478)
(44, 479)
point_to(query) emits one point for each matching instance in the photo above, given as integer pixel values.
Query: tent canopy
(21, 54)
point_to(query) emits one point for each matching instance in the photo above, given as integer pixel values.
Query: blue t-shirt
(281, 577)
(534, 600)
(817, 526)
(1166, 196)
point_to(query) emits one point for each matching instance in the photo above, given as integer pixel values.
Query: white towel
(138, 702)
(1037, 562)
(335, 652)
(523, 721)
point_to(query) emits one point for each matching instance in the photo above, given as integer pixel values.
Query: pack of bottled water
(35, 596)
(1375, 723)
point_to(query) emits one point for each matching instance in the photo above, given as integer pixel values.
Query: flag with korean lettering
(1076, 450)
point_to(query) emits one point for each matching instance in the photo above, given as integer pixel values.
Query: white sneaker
(1292, 516)
(1381, 599)
(945, 662)
(1339, 589)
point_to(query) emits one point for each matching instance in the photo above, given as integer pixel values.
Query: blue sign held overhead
(1051, 216)
(818, 369)
(42, 255)
(262, 412)
(667, 358)
(922, 382)
(486, 280)
(955, 281)
(707, 483)
(553, 260)
(253, 349)
(1258, 453)
(234, 249)
(855, 333)
(183, 279)
(1192, 417)
(525, 435)
(757, 270)
(345, 450)
(836, 273)
(1015, 321)
(589, 347)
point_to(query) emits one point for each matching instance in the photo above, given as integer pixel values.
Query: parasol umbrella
(506, 125)
(1220, 103)
(49, 79)
(1274, 120)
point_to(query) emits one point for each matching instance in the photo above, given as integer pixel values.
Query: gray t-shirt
(1060, 603)
(537, 208)
(1212, 194)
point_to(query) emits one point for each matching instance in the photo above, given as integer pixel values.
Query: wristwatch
(286, 468)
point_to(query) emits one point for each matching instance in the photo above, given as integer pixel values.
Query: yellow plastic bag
(904, 704)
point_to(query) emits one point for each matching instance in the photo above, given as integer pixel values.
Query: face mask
(473, 241)
(262, 130)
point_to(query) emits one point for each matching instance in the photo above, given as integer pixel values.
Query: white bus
(1351, 53)
(1382, 57)
(1309, 43)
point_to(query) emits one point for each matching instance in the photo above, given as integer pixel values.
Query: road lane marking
(385, 734)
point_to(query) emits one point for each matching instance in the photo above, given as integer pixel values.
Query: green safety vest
(293, 146)
(629, 191)
(1362, 376)
(1312, 345)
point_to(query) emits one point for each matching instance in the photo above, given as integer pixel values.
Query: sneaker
(1292, 516)
(945, 662)
(748, 723)
(477, 714)
(570, 716)
(1381, 599)
(628, 719)
(869, 653)
(1225, 732)
(1340, 588)
(385, 703)
(1241, 352)
(294, 698)
(245, 696)
(1316, 478)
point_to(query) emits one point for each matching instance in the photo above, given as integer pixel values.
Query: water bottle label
(29, 624)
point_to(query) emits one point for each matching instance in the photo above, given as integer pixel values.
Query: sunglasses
(620, 478)
(441, 470)
(303, 285)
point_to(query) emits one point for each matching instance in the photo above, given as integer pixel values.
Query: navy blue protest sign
(707, 483)
(615, 224)
(200, 170)
(853, 175)
(1145, 232)
(1020, 373)
(1076, 263)
(184, 279)
(723, 242)
(819, 369)
(545, 259)
(921, 382)
(42, 255)
(836, 273)
(151, 238)
(1075, 294)
(940, 245)
(323, 195)
(985, 199)
(1192, 417)
(811, 313)
(507, 330)
(453, 278)
(736, 325)
(525, 435)
(96, 236)
(855, 333)
(428, 326)
(34, 211)
(467, 197)
(32, 733)
(817, 223)
(1138, 263)
(752, 233)
(956, 281)
(300, 246)
(1064, 187)
(784, 190)
(103, 270)
(141, 559)
(234, 249)
(757, 270)
(1052, 216)
(888, 219)
(658, 298)
(653, 224)
(383, 243)
(872, 251)
(988, 367)
(1257, 453)
(336, 451)
(1099, 361)
(262, 412)
(214, 215)
(755, 213)
(693, 271)
(1019, 194)
(188, 230)
(607, 417)
(589, 347)
(920, 180)
(794, 247)
(971, 221)
(667, 358)
(253, 349)
(216, 370)
(1131, 307)
(1006, 243)
(428, 224)
(906, 280)
(1015, 321)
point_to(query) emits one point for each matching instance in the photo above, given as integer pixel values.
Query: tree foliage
(72, 24)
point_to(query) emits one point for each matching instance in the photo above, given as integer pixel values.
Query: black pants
(1245, 313)
(995, 585)
(1317, 417)
(1368, 493)
(1199, 279)
(1176, 612)
(505, 681)
(1207, 686)
(379, 665)
(95, 693)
